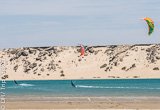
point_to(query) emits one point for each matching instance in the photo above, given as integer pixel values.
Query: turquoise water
(60, 88)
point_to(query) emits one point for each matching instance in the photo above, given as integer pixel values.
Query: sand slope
(115, 61)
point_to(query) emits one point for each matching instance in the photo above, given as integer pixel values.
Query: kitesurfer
(73, 85)
(15, 82)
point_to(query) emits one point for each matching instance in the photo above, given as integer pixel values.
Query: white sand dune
(99, 62)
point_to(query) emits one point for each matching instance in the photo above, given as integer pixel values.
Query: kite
(82, 50)
(150, 25)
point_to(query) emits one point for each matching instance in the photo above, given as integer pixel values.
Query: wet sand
(83, 103)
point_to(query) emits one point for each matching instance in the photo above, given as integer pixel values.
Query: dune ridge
(65, 62)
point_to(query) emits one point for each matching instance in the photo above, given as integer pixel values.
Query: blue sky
(26, 23)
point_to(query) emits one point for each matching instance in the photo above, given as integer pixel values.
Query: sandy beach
(99, 62)
(85, 103)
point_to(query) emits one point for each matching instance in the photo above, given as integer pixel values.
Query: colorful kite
(150, 25)
(82, 50)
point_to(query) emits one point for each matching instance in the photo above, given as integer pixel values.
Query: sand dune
(99, 62)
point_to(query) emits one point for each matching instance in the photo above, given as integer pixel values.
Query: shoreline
(83, 97)
(79, 79)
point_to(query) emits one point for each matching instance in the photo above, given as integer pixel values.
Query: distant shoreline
(80, 79)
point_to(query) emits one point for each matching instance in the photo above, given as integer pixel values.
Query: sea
(85, 88)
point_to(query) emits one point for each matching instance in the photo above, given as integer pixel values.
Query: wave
(26, 85)
(120, 87)
(21, 85)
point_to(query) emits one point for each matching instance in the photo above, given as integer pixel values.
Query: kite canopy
(150, 25)
(82, 50)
